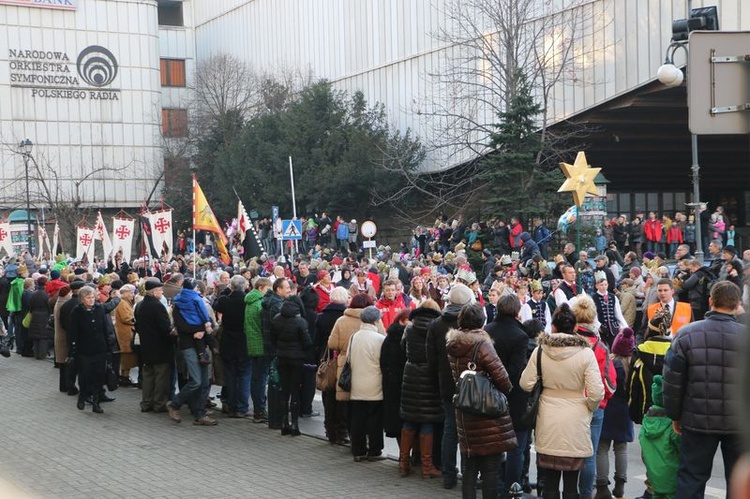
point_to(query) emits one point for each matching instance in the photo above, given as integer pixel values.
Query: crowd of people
(615, 337)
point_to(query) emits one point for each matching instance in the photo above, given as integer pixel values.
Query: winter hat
(636, 271)
(730, 249)
(648, 255)
(64, 291)
(657, 391)
(624, 343)
(55, 274)
(322, 274)
(460, 294)
(370, 315)
(425, 271)
(188, 283)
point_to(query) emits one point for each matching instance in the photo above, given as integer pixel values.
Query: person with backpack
(646, 363)
(584, 309)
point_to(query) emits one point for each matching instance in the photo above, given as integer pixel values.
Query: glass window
(173, 73)
(640, 202)
(668, 201)
(174, 122)
(169, 13)
(652, 201)
(611, 203)
(624, 202)
(680, 198)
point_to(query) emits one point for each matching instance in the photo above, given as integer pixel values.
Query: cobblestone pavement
(50, 449)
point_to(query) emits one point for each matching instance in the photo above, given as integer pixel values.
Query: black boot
(295, 420)
(81, 403)
(95, 407)
(619, 491)
(286, 428)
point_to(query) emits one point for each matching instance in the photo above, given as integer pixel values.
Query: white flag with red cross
(6, 242)
(122, 236)
(161, 232)
(84, 242)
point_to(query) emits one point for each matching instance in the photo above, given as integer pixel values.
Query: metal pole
(294, 200)
(28, 201)
(696, 198)
(578, 242)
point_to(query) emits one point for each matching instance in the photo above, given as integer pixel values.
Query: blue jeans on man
(588, 473)
(237, 384)
(195, 392)
(258, 382)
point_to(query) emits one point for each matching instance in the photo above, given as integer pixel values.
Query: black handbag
(112, 378)
(476, 393)
(532, 405)
(345, 378)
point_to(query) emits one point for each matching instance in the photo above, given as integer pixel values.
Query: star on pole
(579, 178)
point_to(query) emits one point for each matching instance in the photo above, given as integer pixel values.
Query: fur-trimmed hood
(560, 346)
(458, 343)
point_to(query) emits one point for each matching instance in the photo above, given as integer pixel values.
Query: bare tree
(486, 43)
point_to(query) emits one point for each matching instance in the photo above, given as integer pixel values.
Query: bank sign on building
(80, 79)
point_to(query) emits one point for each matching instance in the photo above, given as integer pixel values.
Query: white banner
(55, 238)
(43, 4)
(85, 243)
(40, 240)
(6, 242)
(161, 231)
(100, 234)
(122, 236)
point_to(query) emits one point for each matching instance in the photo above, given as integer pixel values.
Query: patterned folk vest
(537, 311)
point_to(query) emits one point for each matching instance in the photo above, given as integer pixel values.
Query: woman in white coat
(572, 390)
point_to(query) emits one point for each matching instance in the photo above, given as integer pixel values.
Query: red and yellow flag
(204, 219)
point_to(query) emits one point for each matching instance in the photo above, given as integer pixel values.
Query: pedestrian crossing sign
(291, 229)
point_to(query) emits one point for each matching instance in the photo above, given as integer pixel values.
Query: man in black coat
(233, 347)
(153, 326)
(71, 371)
(457, 297)
(511, 343)
(702, 391)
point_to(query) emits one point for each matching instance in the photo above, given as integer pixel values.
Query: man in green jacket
(660, 446)
(256, 350)
(15, 308)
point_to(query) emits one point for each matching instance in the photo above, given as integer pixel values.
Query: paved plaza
(50, 449)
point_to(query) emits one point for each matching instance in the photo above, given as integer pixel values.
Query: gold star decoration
(579, 178)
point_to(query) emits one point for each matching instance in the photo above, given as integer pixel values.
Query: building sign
(44, 4)
(52, 74)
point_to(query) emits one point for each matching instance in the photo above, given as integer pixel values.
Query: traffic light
(701, 18)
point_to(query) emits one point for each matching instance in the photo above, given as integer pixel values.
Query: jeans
(258, 382)
(588, 473)
(515, 460)
(489, 466)
(237, 384)
(421, 428)
(697, 452)
(449, 441)
(195, 392)
(602, 461)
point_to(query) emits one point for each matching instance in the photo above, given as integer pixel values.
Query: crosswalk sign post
(291, 230)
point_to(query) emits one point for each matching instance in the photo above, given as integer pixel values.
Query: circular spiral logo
(97, 66)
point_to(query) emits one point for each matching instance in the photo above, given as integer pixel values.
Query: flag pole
(294, 200)
(195, 243)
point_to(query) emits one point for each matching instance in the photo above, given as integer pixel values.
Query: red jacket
(674, 234)
(375, 280)
(515, 236)
(652, 230)
(390, 309)
(324, 296)
(606, 366)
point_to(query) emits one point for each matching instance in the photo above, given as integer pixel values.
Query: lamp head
(26, 146)
(670, 75)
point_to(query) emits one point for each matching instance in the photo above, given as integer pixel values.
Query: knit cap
(624, 343)
(460, 294)
(370, 315)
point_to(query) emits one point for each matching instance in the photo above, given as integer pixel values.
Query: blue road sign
(291, 229)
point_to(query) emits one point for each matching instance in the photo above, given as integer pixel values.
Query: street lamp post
(26, 146)
(672, 76)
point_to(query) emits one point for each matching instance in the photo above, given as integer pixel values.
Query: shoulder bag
(325, 378)
(345, 379)
(111, 376)
(532, 405)
(476, 393)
